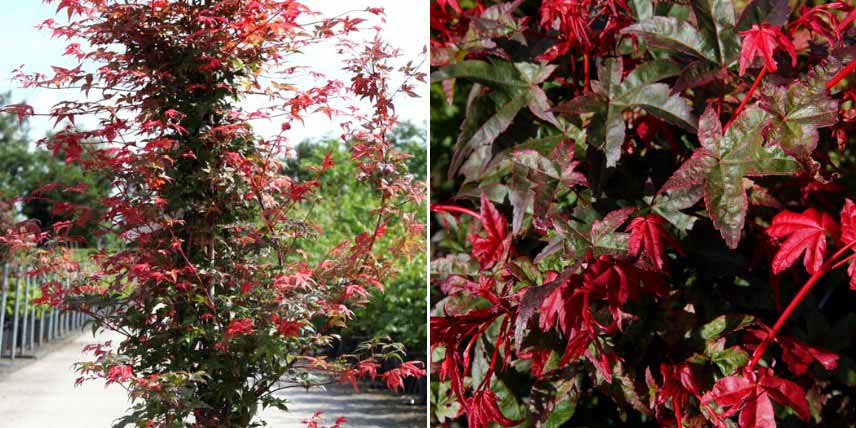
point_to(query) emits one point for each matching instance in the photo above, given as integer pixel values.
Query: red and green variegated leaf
(723, 161)
(726, 201)
(613, 96)
(799, 111)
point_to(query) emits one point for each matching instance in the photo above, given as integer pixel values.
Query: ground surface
(42, 395)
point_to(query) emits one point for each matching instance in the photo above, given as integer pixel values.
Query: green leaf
(643, 9)
(521, 196)
(697, 73)
(498, 122)
(490, 74)
(649, 72)
(598, 235)
(481, 126)
(554, 399)
(731, 359)
(671, 33)
(606, 133)
(669, 205)
(508, 403)
(711, 37)
(514, 86)
(657, 100)
(565, 404)
(534, 73)
(443, 404)
(726, 201)
(716, 21)
(724, 323)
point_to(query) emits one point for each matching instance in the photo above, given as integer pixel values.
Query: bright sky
(406, 27)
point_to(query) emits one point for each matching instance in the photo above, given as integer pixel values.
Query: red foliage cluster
(657, 204)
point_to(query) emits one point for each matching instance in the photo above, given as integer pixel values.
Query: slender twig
(841, 74)
(746, 98)
(439, 208)
(826, 268)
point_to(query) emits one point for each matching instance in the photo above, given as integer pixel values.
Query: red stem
(841, 74)
(847, 21)
(843, 262)
(438, 208)
(759, 352)
(746, 98)
(828, 266)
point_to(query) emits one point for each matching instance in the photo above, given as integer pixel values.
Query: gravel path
(368, 409)
(43, 395)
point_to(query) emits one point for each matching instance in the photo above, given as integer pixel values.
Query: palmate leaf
(611, 97)
(671, 33)
(712, 39)
(535, 179)
(800, 110)
(489, 74)
(696, 73)
(600, 236)
(722, 162)
(773, 12)
(803, 234)
(514, 86)
(716, 21)
(670, 204)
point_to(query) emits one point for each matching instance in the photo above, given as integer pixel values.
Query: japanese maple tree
(642, 213)
(217, 307)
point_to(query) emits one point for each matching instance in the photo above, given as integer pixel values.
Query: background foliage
(342, 208)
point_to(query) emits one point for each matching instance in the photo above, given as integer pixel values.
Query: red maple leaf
(649, 233)
(821, 20)
(764, 39)
(679, 385)
(797, 355)
(805, 233)
(752, 394)
(482, 410)
(848, 235)
(619, 282)
(328, 162)
(491, 248)
(848, 222)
